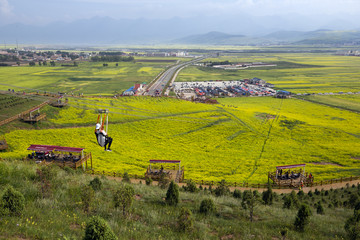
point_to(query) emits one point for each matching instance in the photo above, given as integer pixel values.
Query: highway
(157, 87)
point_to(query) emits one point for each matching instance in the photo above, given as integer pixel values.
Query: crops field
(240, 139)
(295, 72)
(87, 78)
(349, 102)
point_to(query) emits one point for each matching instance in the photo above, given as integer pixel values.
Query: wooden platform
(3, 144)
(173, 175)
(33, 119)
(290, 182)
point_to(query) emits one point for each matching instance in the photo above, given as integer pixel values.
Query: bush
(191, 186)
(148, 181)
(172, 194)
(302, 218)
(12, 201)
(288, 203)
(222, 189)
(124, 198)
(185, 220)
(207, 206)
(87, 197)
(237, 193)
(267, 196)
(126, 177)
(97, 228)
(319, 208)
(352, 226)
(96, 184)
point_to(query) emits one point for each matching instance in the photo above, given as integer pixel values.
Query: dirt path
(305, 189)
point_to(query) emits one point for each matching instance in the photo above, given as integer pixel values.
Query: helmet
(97, 126)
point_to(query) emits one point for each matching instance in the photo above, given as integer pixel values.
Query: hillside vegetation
(58, 204)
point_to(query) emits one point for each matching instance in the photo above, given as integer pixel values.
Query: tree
(319, 208)
(237, 193)
(207, 206)
(87, 197)
(97, 228)
(123, 198)
(302, 218)
(267, 196)
(126, 177)
(191, 186)
(32, 63)
(185, 220)
(172, 194)
(96, 184)
(12, 202)
(222, 189)
(352, 226)
(249, 202)
(52, 63)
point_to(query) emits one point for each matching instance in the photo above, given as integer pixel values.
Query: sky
(42, 12)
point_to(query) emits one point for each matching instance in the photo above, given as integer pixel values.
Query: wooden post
(114, 174)
(258, 185)
(350, 178)
(321, 183)
(235, 184)
(341, 179)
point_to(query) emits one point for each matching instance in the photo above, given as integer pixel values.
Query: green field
(349, 102)
(296, 72)
(88, 77)
(213, 142)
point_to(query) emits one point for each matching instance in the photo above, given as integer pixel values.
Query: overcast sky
(46, 11)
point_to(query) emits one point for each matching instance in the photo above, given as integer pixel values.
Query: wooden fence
(232, 184)
(23, 113)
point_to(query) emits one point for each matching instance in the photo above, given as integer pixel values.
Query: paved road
(157, 88)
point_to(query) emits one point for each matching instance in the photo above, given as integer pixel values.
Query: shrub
(172, 194)
(302, 218)
(267, 196)
(191, 186)
(96, 184)
(126, 177)
(207, 206)
(222, 189)
(249, 202)
(97, 228)
(148, 181)
(185, 220)
(12, 201)
(352, 226)
(310, 193)
(87, 197)
(163, 181)
(123, 198)
(320, 208)
(301, 194)
(353, 200)
(284, 232)
(237, 193)
(288, 203)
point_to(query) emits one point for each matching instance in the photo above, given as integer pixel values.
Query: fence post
(135, 176)
(341, 179)
(350, 178)
(103, 172)
(202, 182)
(235, 184)
(258, 185)
(321, 183)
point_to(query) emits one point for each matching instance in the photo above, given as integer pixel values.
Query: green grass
(213, 142)
(58, 214)
(296, 72)
(349, 102)
(87, 78)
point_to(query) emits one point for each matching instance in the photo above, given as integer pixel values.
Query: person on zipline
(102, 137)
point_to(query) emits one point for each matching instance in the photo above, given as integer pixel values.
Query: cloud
(5, 8)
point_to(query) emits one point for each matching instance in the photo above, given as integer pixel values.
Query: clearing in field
(240, 139)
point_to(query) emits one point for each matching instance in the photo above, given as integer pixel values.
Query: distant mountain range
(322, 36)
(243, 30)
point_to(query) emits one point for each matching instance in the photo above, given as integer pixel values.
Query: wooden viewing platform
(61, 156)
(287, 178)
(32, 117)
(59, 103)
(175, 174)
(3, 144)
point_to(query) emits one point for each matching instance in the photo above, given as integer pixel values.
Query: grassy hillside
(213, 142)
(58, 205)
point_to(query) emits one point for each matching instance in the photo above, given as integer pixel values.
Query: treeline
(111, 53)
(219, 63)
(112, 59)
(8, 58)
